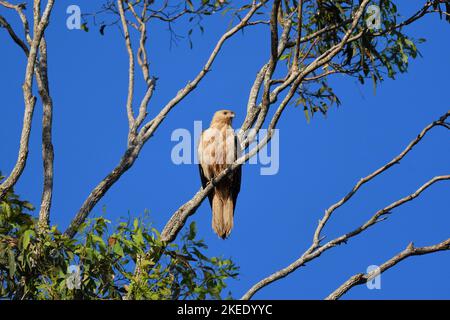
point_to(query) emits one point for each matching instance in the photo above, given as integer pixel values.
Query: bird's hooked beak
(232, 115)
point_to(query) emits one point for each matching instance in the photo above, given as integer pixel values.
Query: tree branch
(47, 145)
(254, 110)
(19, 9)
(299, 33)
(310, 255)
(130, 67)
(40, 70)
(316, 249)
(374, 174)
(361, 278)
(13, 35)
(148, 130)
(40, 24)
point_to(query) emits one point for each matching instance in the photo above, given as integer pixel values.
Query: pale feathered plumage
(218, 148)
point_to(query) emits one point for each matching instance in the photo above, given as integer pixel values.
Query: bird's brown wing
(235, 177)
(204, 183)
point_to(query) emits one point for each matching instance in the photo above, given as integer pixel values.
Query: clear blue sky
(275, 215)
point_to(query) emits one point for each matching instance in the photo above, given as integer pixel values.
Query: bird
(218, 148)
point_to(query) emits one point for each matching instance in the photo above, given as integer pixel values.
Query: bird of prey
(218, 148)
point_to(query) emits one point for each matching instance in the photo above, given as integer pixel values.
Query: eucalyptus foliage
(125, 262)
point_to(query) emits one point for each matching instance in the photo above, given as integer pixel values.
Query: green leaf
(11, 263)
(306, 111)
(361, 79)
(404, 58)
(199, 254)
(409, 43)
(374, 80)
(28, 206)
(7, 209)
(97, 239)
(117, 248)
(84, 27)
(285, 56)
(192, 231)
(138, 238)
(27, 238)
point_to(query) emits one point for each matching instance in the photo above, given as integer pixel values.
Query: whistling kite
(218, 148)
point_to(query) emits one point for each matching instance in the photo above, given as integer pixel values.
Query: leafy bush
(130, 262)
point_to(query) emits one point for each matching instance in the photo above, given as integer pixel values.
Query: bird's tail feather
(227, 215)
(223, 211)
(217, 222)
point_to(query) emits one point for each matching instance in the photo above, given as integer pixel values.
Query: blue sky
(275, 215)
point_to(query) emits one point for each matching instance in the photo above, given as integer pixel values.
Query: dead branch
(316, 249)
(362, 278)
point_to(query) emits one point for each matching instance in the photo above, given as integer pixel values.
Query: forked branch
(316, 248)
(40, 24)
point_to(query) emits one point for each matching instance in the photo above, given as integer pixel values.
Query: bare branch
(40, 24)
(19, 9)
(374, 174)
(322, 75)
(299, 33)
(316, 249)
(131, 65)
(254, 23)
(7, 4)
(147, 131)
(254, 113)
(410, 251)
(47, 145)
(318, 33)
(312, 254)
(13, 35)
(143, 63)
(99, 191)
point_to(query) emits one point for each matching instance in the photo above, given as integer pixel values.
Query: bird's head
(222, 117)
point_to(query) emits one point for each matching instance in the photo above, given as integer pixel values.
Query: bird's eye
(225, 112)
